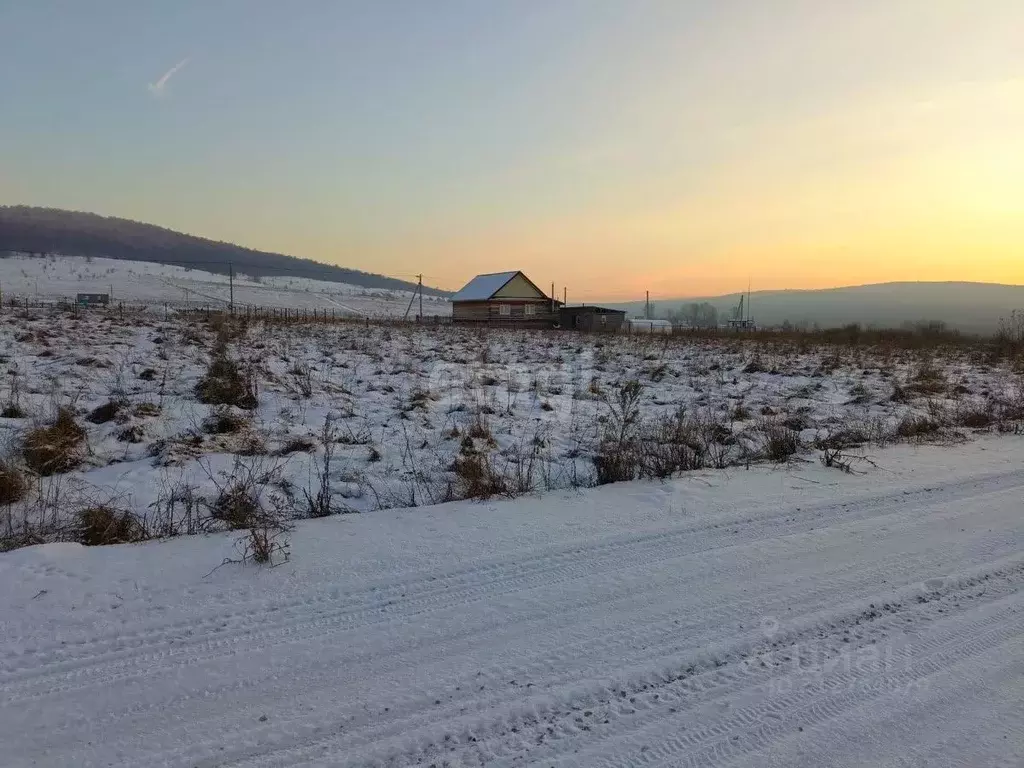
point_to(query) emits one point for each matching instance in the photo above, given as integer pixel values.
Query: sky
(608, 146)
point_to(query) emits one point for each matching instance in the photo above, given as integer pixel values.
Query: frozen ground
(56, 278)
(776, 616)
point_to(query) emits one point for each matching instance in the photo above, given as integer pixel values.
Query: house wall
(489, 313)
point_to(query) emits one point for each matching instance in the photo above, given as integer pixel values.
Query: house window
(604, 319)
(529, 309)
(505, 309)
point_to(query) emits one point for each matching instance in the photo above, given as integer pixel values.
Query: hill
(25, 229)
(969, 307)
(57, 278)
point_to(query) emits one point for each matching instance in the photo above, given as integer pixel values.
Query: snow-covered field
(398, 415)
(56, 278)
(786, 615)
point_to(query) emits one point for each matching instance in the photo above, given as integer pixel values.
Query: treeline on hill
(26, 229)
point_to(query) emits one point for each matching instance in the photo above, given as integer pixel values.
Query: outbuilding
(590, 318)
(91, 299)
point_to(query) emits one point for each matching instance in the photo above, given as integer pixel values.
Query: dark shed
(590, 318)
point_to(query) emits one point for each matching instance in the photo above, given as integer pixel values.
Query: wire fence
(28, 305)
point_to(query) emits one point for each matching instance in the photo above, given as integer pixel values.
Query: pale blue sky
(454, 136)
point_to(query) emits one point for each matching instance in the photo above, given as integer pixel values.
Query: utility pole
(412, 298)
(419, 289)
(231, 286)
(647, 306)
(553, 299)
(565, 296)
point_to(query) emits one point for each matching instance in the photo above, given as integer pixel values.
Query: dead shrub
(619, 456)
(225, 383)
(245, 495)
(671, 445)
(659, 373)
(133, 433)
(223, 421)
(237, 505)
(144, 410)
(844, 437)
(740, 412)
(296, 444)
(833, 458)
(176, 510)
(56, 448)
(780, 442)
(266, 543)
(928, 380)
(13, 485)
(252, 444)
(755, 364)
(796, 421)
(101, 525)
(319, 495)
(916, 427)
(476, 477)
(12, 407)
(479, 428)
(418, 399)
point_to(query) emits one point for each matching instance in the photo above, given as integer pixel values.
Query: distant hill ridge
(29, 229)
(968, 306)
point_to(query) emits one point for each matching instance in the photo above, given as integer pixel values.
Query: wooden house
(504, 299)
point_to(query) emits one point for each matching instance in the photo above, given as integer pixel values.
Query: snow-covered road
(789, 617)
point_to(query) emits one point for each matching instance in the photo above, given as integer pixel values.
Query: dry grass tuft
(13, 484)
(226, 384)
(223, 421)
(102, 525)
(476, 478)
(56, 448)
(238, 506)
(780, 442)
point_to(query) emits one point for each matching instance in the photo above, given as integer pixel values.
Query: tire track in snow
(753, 729)
(390, 602)
(660, 634)
(545, 569)
(668, 687)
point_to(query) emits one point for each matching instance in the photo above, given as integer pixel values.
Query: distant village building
(505, 299)
(90, 299)
(741, 324)
(645, 325)
(590, 318)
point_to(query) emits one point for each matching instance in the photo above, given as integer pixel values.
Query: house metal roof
(482, 287)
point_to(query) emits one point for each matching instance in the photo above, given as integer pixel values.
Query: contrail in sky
(157, 88)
